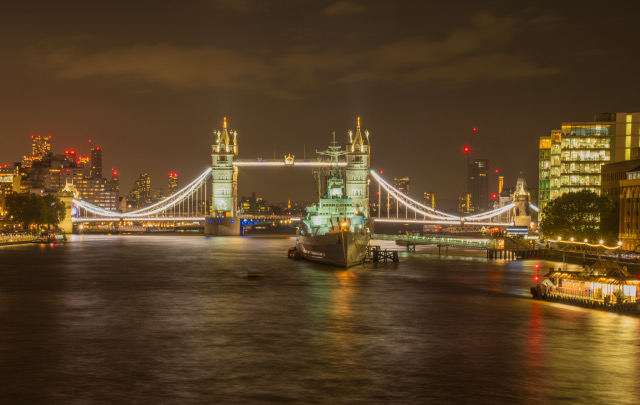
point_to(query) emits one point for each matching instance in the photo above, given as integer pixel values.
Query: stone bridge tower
(224, 176)
(357, 170)
(522, 216)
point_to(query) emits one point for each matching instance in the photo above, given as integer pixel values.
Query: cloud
(343, 7)
(184, 68)
(482, 49)
(238, 6)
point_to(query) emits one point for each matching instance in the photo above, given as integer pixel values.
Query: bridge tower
(224, 176)
(357, 170)
(522, 216)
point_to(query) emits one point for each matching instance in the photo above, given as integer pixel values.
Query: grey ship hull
(343, 249)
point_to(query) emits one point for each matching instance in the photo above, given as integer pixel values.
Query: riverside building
(571, 159)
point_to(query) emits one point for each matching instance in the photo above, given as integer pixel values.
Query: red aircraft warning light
(466, 149)
(536, 278)
(494, 196)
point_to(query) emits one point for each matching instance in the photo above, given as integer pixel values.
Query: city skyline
(151, 93)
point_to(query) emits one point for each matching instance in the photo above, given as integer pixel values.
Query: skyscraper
(115, 183)
(96, 163)
(140, 194)
(464, 203)
(71, 155)
(430, 199)
(402, 184)
(173, 183)
(478, 184)
(40, 146)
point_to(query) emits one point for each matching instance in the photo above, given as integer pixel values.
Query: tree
(581, 215)
(56, 210)
(28, 209)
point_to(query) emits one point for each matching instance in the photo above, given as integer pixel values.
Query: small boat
(252, 274)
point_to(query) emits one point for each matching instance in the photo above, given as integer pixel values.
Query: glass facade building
(571, 159)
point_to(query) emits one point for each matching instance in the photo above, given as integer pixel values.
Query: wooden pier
(375, 254)
(512, 254)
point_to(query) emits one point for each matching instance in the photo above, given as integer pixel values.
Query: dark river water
(171, 320)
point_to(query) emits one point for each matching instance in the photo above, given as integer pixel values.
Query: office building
(40, 146)
(140, 195)
(172, 186)
(401, 184)
(71, 155)
(478, 184)
(49, 174)
(96, 163)
(571, 159)
(629, 213)
(115, 183)
(255, 206)
(98, 192)
(464, 203)
(429, 199)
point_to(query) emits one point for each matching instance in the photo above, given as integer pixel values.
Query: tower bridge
(212, 198)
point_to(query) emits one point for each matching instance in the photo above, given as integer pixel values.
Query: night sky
(148, 82)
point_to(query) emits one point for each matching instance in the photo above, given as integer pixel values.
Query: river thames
(171, 320)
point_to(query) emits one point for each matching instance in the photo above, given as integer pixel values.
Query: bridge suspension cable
(167, 206)
(410, 203)
(436, 217)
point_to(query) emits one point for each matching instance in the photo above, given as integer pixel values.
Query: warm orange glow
(358, 122)
(224, 125)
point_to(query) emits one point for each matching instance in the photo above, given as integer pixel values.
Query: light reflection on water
(170, 319)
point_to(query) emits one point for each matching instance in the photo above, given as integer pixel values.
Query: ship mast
(331, 155)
